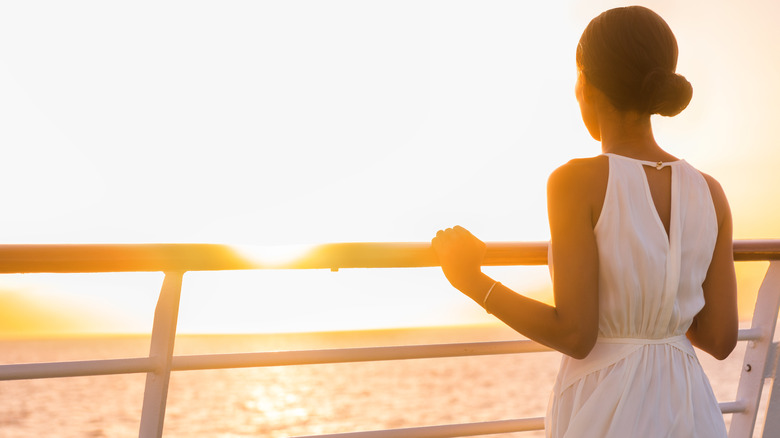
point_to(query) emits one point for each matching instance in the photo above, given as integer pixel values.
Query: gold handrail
(210, 257)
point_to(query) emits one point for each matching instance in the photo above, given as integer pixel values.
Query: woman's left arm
(715, 327)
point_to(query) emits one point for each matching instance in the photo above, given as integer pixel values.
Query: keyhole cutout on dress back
(660, 183)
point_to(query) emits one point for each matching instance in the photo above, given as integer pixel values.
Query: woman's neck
(631, 135)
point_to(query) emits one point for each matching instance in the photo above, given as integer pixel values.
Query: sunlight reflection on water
(276, 402)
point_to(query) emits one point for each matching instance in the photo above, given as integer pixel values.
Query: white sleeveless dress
(642, 379)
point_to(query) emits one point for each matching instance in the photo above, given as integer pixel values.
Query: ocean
(296, 400)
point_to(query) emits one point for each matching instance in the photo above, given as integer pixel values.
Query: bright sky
(299, 122)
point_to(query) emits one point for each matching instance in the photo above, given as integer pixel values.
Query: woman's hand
(460, 255)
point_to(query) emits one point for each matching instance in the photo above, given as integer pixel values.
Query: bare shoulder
(580, 168)
(580, 184)
(715, 187)
(580, 176)
(719, 199)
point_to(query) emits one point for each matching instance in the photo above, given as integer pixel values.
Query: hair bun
(666, 93)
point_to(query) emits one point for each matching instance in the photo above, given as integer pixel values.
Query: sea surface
(295, 400)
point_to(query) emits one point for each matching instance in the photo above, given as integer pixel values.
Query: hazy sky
(298, 122)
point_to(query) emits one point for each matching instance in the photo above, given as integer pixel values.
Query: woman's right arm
(571, 325)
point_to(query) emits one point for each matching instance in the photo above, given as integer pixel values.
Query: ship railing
(758, 371)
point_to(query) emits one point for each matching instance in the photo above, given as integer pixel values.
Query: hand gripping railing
(174, 260)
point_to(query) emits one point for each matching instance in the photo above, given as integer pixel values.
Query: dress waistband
(642, 341)
(609, 351)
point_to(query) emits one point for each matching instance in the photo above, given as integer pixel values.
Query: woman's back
(651, 274)
(643, 374)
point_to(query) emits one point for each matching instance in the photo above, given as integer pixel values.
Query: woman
(642, 250)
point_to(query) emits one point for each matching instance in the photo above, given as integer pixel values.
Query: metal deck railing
(760, 360)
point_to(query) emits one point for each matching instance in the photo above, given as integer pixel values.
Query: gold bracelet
(484, 301)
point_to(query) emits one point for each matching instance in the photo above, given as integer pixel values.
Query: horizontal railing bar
(210, 257)
(733, 407)
(345, 355)
(757, 250)
(77, 368)
(447, 430)
(281, 358)
(482, 428)
(751, 334)
(368, 354)
(263, 359)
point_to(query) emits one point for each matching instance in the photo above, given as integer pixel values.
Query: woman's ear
(584, 91)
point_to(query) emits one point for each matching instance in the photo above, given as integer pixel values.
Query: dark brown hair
(630, 54)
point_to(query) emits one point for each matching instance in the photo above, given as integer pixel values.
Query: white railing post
(161, 351)
(757, 354)
(772, 419)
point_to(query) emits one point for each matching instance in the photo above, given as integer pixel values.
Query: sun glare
(34, 315)
(273, 256)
